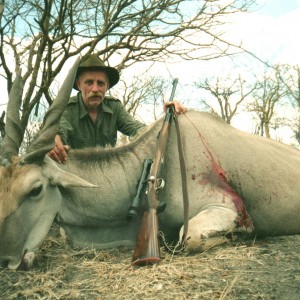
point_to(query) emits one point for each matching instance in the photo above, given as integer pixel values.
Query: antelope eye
(35, 191)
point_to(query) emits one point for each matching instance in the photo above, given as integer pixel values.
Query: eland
(237, 182)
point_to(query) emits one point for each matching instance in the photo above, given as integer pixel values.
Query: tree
(267, 97)
(40, 36)
(229, 95)
(149, 91)
(290, 78)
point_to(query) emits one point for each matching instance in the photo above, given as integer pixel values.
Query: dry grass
(249, 271)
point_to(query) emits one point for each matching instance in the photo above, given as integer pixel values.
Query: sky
(271, 31)
(278, 7)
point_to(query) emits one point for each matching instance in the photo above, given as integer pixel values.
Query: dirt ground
(253, 269)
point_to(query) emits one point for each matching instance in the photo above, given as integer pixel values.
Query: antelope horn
(13, 130)
(45, 139)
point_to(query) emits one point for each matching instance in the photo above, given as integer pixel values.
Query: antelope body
(236, 182)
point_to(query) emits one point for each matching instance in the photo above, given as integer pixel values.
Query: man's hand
(179, 108)
(60, 151)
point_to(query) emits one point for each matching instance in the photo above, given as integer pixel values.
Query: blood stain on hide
(217, 176)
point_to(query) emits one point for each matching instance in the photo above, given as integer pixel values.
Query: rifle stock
(147, 244)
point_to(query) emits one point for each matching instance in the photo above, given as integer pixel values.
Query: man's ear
(78, 84)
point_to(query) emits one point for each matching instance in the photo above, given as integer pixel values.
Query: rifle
(147, 245)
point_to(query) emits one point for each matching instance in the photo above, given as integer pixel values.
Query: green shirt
(78, 130)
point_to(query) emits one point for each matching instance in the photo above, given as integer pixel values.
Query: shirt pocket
(80, 141)
(110, 136)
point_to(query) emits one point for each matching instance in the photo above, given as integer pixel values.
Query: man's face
(93, 86)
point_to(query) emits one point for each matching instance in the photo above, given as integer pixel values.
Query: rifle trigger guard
(160, 184)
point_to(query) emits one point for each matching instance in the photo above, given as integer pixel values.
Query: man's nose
(95, 87)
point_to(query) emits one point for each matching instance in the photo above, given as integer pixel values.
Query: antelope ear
(57, 176)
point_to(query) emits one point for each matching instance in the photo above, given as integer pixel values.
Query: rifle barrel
(175, 81)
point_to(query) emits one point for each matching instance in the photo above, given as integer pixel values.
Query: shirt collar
(106, 108)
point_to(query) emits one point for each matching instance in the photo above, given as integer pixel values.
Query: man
(92, 119)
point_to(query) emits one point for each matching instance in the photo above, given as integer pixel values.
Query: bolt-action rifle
(147, 244)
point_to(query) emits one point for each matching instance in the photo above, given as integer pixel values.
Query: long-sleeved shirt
(78, 130)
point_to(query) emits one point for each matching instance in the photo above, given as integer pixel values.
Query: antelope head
(29, 194)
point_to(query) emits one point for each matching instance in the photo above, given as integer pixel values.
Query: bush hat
(93, 63)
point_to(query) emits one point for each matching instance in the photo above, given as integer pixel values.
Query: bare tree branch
(229, 94)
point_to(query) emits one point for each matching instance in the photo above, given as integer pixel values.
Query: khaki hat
(93, 62)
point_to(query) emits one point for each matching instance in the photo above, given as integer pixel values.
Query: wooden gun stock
(147, 245)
